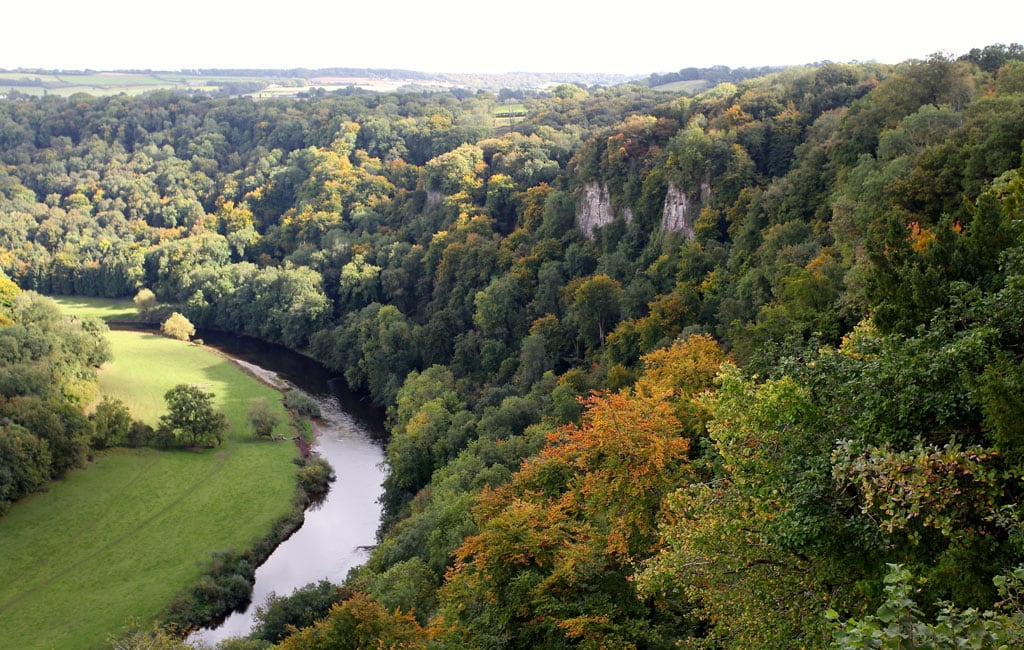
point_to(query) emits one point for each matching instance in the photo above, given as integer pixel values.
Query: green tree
(743, 544)
(596, 304)
(191, 419)
(63, 427)
(279, 616)
(24, 463)
(900, 623)
(111, 423)
(456, 171)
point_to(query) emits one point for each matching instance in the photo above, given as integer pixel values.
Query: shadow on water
(302, 372)
(337, 532)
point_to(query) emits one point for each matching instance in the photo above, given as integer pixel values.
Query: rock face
(595, 209)
(434, 198)
(678, 213)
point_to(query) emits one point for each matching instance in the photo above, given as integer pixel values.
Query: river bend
(336, 534)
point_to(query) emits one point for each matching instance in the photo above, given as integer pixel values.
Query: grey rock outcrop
(434, 199)
(595, 210)
(681, 211)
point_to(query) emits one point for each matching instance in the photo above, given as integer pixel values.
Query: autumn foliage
(557, 546)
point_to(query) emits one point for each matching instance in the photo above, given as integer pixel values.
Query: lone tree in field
(191, 419)
(178, 327)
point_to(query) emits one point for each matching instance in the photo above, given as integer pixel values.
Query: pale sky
(633, 37)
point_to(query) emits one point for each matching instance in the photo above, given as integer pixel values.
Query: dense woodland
(791, 419)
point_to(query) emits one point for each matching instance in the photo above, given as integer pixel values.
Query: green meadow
(119, 539)
(109, 309)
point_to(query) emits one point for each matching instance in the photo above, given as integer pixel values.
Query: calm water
(336, 534)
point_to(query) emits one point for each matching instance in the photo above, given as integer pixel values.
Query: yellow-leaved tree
(557, 546)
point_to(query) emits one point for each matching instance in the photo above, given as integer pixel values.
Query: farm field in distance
(132, 83)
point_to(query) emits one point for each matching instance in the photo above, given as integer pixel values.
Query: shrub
(315, 477)
(140, 434)
(301, 403)
(178, 327)
(112, 424)
(226, 585)
(263, 420)
(145, 301)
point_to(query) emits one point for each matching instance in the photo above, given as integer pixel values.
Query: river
(336, 534)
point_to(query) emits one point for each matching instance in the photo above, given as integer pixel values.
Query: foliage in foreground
(900, 623)
(279, 616)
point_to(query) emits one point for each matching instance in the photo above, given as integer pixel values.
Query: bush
(226, 586)
(315, 477)
(140, 434)
(178, 327)
(301, 403)
(145, 301)
(112, 424)
(900, 623)
(221, 588)
(262, 418)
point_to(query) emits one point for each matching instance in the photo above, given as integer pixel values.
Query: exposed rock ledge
(675, 216)
(434, 198)
(678, 214)
(595, 210)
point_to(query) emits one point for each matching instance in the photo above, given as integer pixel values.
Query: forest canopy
(659, 368)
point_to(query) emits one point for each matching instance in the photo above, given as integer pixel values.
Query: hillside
(739, 368)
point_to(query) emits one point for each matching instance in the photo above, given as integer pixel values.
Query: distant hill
(276, 83)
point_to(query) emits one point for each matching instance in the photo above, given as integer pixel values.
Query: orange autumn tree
(357, 623)
(552, 562)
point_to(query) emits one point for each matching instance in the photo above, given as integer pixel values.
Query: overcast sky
(638, 36)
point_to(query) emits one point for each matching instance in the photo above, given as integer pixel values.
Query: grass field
(123, 536)
(102, 308)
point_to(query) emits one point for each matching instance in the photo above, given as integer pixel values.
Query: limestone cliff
(680, 211)
(595, 209)
(434, 199)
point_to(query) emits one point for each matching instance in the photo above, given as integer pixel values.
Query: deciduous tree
(178, 327)
(191, 419)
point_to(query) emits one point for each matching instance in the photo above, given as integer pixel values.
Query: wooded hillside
(658, 368)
